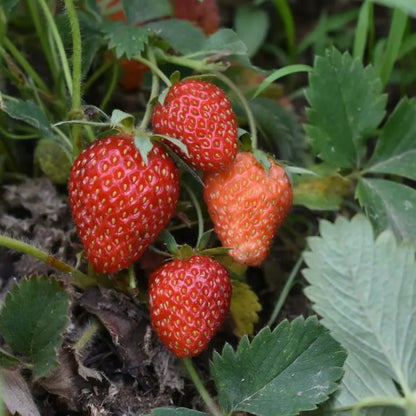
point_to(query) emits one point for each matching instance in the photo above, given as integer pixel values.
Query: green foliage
(126, 40)
(395, 152)
(364, 290)
(8, 360)
(28, 112)
(407, 6)
(139, 11)
(32, 321)
(389, 205)
(346, 106)
(281, 372)
(251, 25)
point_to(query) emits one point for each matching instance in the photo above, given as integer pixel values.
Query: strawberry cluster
(120, 202)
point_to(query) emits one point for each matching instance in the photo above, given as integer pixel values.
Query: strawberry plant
(206, 213)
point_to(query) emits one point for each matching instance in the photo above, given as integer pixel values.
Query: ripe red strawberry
(200, 115)
(247, 206)
(119, 203)
(188, 302)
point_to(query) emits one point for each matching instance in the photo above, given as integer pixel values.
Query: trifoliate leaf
(346, 105)
(365, 291)
(389, 204)
(28, 112)
(244, 308)
(395, 152)
(32, 321)
(126, 40)
(281, 372)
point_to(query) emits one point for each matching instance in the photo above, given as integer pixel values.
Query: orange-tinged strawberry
(247, 205)
(199, 114)
(188, 302)
(118, 202)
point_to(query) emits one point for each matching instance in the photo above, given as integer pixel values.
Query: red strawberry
(188, 301)
(119, 203)
(247, 206)
(200, 115)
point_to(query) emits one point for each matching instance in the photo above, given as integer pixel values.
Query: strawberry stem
(209, 402)
(80, 279)
(285, 292)
(153, 92)
(154, 69)
(198, 210)
(87, 335)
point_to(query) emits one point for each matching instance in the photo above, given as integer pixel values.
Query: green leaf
(283, 372)
(183, 36)
(33, 319)
(346, 105)
(126, 40)
(179, 411)
(225, 41)
(251, 25)
(281, 130)
(139, 11)
(8, 360)
(121, 117)
(395, 152)
(389, 204)
(408, 6)
(8, 6)
(28, 112)
(365, 291)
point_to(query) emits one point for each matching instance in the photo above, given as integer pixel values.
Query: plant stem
(155, 69)
(198, 210)
(250, 117)
(111, 86)
(283, 8)
(33, 9)
(76, 72)
(209, 402)
(377, 402)
(153, 92)
(22, 61)
(97, 74)
(59, 44)
(285, 292)
(362, 29)
(79, 279)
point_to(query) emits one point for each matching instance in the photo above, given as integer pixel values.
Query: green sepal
(263, 159)
(178, 143)
(120, 118)
(170, 242)
(144, 145)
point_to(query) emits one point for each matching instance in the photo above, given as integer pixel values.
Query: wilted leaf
(324, 192)
(32, 321)
(395, 152)
(365, 291)
(16, 395)
(244, 308)
(389, 204)
(283, 372)
(346, 105)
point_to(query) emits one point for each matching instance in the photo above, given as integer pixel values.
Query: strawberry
(188, 301)
(200, 115)
(120, 204)
(247, 206)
